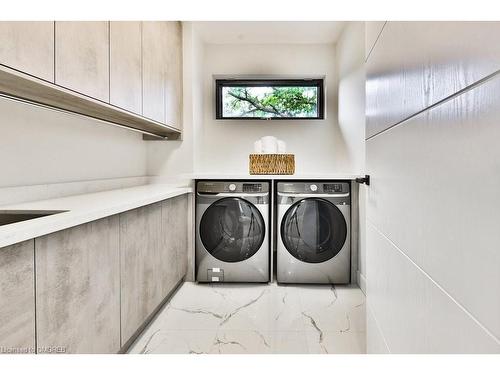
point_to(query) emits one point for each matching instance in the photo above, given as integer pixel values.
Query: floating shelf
(26, 88)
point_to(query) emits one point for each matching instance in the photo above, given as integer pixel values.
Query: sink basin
(16, 216)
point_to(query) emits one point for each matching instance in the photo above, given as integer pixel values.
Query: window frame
(313, 82)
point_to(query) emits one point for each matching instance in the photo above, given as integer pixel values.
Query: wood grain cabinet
(125, 75)
(96, 284)
(82, 57)
(78, 288)
(174, 237)
(135, 66)
(140, 250)
(154, 62)
(153, 259)
(173, 76)
(176, 231)
(28, 47)
(17, 298)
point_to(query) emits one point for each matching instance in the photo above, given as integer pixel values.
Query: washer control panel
(252, 188)
(333, 188)
(214, 187)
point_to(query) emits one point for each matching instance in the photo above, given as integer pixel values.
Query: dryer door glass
(313, 230)
(232, 229)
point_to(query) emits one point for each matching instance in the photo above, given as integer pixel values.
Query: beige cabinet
(173, 76)
(17, 298)
(153, 242)
(82, 57)
(140, 249)
(176, 231)
(154, 62)
(162, 72)
(125, 75)
(174, 237)
(77, 288)
(28, 47)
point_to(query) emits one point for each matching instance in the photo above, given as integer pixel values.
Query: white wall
(41, 146)
(351, 118)
(320, 146)
(433, 263)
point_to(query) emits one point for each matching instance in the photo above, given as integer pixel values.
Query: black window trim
(220, 83)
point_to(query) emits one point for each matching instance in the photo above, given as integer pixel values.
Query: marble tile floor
(258, 319)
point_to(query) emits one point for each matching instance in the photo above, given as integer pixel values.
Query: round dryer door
(313, 230)
(232, 229)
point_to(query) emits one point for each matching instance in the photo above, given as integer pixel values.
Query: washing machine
(313, 239)
(232, 226)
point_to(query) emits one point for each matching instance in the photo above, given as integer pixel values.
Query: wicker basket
(272, 164)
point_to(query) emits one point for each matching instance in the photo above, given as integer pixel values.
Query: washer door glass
(232, 229)
(313, 230)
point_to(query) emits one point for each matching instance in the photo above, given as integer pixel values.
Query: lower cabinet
(140, 250)
(17, 299)
(94, 285)
(153, 248)
(78, 289)
(175, 216)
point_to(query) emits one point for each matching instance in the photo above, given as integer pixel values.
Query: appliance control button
(232, 187)
(313, 187)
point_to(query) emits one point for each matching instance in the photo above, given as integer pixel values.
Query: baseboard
(149, 319)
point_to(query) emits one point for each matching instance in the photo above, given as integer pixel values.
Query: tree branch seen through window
(269, 99)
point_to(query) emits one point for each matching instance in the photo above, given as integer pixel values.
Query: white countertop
(83, 209)
(220, 176)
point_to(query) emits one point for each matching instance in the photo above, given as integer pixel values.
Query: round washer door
(313, 230)
(232, 229)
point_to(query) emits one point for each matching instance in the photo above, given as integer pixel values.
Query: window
(251, 99)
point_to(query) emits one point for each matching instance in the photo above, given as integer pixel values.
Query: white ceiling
(269, 32)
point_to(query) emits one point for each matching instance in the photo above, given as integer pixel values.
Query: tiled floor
(258, 319)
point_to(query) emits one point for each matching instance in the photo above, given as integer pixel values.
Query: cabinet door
(140, 250)
(154, 63)
(77, 288)
(17, 298)
(173, 79)
(28, 47)
(82, 57)
(174, 242)
(179, 232)
(126, 65)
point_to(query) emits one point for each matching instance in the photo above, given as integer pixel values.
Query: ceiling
(269, 32)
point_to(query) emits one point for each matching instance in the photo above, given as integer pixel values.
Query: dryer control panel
(214, 187)
(314, 187)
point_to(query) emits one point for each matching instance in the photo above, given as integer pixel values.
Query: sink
(16, 216)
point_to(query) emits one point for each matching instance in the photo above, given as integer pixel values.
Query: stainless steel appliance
(313, 244)
(232, 240)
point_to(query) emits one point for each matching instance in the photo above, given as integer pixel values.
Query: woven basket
(272, 164)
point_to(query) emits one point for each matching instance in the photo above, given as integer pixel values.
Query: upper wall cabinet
(154, 63)
(417, 64)
(28, 47)
(125, 76)
(124, 73)
(82, 57)
(174, 74)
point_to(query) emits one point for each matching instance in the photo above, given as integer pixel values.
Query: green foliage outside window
(284, 101)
